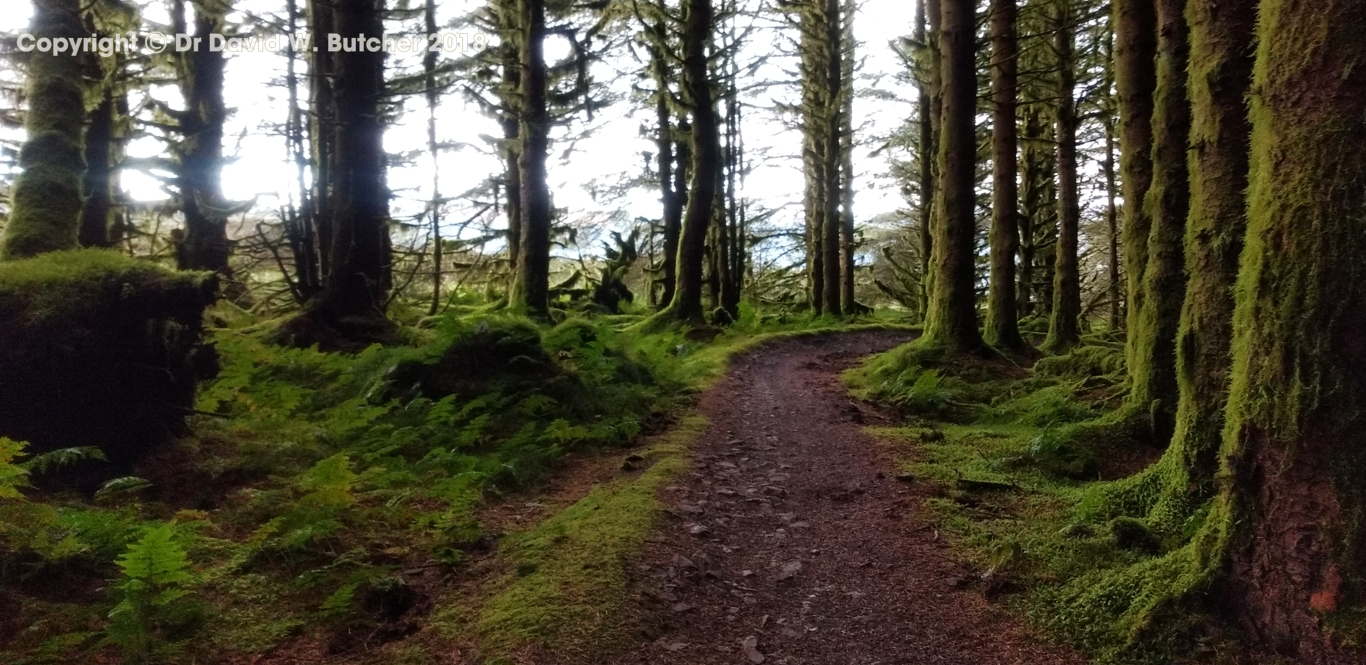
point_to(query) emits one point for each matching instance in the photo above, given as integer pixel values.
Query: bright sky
(613, 153)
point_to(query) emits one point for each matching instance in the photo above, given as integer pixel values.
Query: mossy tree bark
(1002, 324)
(354, 299)
(46, 201)
(1135, 27)
(1063, 326)
(1221, 41)
(1291, 503)
(952, 316)
(706, 163)
(531, 289)
(1152, 346)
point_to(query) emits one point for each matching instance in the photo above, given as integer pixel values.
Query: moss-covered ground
(1026, 463)
(328, 507)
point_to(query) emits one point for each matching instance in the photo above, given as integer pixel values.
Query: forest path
(791, 541)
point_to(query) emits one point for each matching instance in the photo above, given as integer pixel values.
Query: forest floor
(795, 538)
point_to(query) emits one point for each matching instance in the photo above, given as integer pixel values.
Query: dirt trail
(792, 530)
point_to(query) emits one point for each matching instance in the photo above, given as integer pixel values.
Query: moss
(1083, 361)
(47, 194)
(99, 347)
(572, 589)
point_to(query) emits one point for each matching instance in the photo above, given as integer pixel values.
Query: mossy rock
(99, 349)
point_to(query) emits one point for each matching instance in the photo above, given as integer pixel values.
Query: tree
(352, 303)
(1063, 327)
(848, 244)
(706, 163)
(1152, 342)
(199, 153)
(952, 316)
(47, 195)
(1002, 323)
(1135, 52)
(1221, 38)
(531, 287)
(1290, 509)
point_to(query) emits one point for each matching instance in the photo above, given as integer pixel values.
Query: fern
(329, 484)
(156, 579)
(65, 457)
(12, 476)
(119, 488)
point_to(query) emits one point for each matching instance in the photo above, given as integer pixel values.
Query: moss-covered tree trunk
(1221, 39)
(1063, 327)
(1135, 23)
(531, 289)
(1292, 503)
(952, 317)
(1002, 324)
(1152, 347)
(46, 201)
(706, 163)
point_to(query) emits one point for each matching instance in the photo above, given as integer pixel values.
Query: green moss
(1083, 361)
(47, 194)
(571, 588)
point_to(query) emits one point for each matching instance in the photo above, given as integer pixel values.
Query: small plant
(155, 606)
(12, 476)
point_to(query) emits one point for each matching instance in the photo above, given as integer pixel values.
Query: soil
(795, 540)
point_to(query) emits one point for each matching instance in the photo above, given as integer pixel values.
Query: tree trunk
(323, 132)
(1291, 505)
(706, 163)
(830, 158)
(205, 245)
(1152, 363)
(531, 290)
(952, 319)
(1222, 38)
(100, 145)
(1002, 324)
(1135, 24)
(929, 152)
(1107, 167)
(46, 200)
(1063, 327)
(926, 156)
(670, 197)
(355, 294)
(847, 245)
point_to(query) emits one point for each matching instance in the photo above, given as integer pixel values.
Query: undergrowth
(1026, 468)
(317, 490)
